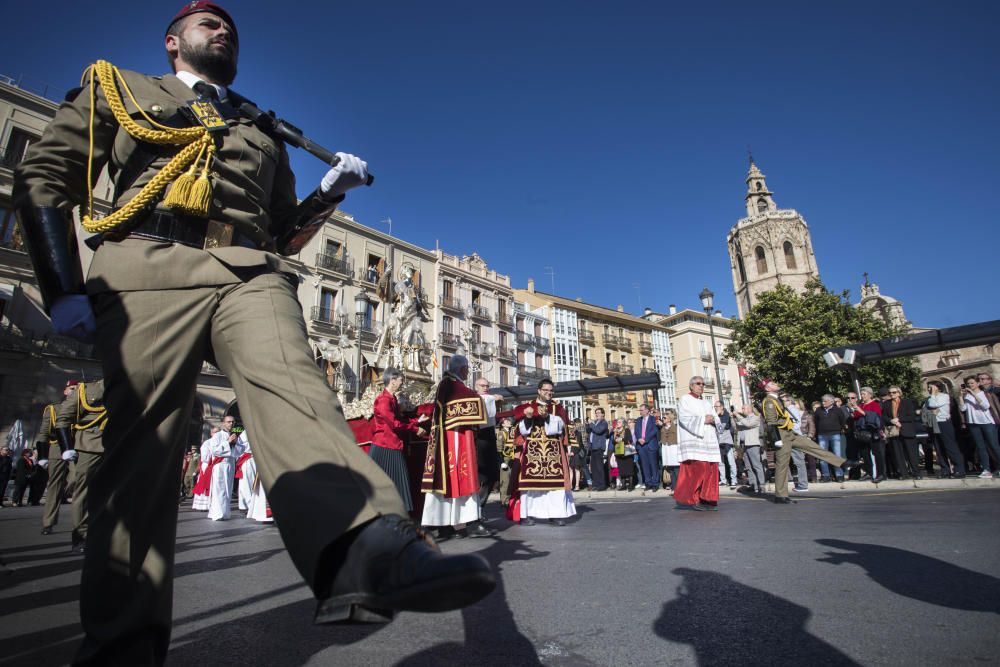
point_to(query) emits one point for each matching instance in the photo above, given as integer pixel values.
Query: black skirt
(393, 463)
(626, 465)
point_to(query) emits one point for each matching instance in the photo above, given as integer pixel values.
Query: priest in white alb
(698, 481)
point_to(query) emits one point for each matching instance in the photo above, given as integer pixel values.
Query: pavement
(894, 575)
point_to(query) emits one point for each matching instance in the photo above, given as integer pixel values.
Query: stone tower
(769, 247)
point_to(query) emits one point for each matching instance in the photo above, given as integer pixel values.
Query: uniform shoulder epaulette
(72, 94)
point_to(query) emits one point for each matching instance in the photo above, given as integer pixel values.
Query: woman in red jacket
(868, 418)
(387, 427)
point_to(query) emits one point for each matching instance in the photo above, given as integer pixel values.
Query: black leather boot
(390, 566)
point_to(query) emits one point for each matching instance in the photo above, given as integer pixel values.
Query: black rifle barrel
(291, 134)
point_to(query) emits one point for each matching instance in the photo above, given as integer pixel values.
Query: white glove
(777, 444)
(504, 466)
(43, 463)
(72, 316)
(349, 173)
(69, 455)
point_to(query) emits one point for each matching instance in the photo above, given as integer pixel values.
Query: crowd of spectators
(895, 436)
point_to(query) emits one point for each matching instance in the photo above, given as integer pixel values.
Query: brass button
(156, 108)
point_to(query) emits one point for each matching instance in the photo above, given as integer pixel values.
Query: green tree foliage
(785, 333)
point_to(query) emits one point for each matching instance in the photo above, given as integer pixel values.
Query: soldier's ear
(172, 45)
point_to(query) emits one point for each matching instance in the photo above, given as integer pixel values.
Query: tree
(784, 335)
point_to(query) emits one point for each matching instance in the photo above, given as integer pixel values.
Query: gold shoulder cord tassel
(188, 194)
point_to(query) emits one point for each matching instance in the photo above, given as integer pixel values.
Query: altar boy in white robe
(221, 486)
(202, 486)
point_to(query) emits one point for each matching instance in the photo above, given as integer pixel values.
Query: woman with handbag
(670, 451)
(937, 408)
(621, 439)
(868, 433)
(900, 419)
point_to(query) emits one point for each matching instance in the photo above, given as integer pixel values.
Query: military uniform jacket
(65, 418)
(253, 187)
(91, 417)
(46, 432)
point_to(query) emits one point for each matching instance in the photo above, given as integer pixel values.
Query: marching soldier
(185, 270)
(91, 420)
(786, 439)
(54, 442)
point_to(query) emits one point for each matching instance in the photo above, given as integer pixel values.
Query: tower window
(790, 255)
(761, 260)
(760, 186)
(739, 265)
(761, 205)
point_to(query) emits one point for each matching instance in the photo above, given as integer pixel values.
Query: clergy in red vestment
(387, 446)
(543, 482)
(451, 478)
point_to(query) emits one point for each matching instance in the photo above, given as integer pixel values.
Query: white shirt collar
(190, 79)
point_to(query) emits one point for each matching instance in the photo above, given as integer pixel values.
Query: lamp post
(361, 302)
(706, 297)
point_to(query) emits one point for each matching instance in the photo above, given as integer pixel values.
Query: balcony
(478, 312)
(610, 340)
(451, 303)
(586, 336)
(723, 361)
(338, 265)
(505, 320)
(709, 383)
(505, 353)
(326, 316)
(625, 343)
(645, 347)
(525, 339)
(612, 368)
(616, 397)
(541, 342)
(450, 340)
(706, 356)
(588, 365)
(528, 374)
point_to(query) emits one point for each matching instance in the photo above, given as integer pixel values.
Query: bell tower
(769, 247)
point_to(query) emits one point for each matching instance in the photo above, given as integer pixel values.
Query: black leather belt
(192, 231)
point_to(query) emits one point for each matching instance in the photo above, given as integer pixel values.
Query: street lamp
(706, 297)
(361, 302)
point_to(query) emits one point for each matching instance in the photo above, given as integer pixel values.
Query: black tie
(206, 91)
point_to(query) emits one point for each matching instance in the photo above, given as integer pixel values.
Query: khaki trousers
(87, 464)
(789, 441)
(320, 484)
(58, 481)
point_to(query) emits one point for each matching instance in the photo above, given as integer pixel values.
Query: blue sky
(608, 140)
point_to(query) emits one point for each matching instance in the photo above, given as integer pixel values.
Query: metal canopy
(588, 387)
(937, 340)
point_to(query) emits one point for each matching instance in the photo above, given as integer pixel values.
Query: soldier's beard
(219, 65)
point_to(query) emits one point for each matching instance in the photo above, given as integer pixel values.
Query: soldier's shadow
(722, 619)
(490, 624)
(919, 577)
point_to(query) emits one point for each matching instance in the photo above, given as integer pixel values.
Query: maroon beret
(196, 6)
(72, 383)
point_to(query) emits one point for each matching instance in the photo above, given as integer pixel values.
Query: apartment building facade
(691, 346)
(605, 342)
(475, 316)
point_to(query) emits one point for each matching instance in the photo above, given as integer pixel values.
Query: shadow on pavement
(919, 577)
(727, 622)
(490, 627)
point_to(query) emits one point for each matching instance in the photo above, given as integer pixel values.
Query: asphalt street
(876, 577)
